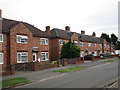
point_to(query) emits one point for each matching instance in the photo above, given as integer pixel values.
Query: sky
(100, 16)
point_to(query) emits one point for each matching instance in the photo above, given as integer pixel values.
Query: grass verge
(13, 82)
(109, 61)
(69, 69)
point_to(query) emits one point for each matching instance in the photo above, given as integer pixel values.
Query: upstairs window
(95, 44)
(89, 44)
(44, 56)
(1, 58)
(105, 45)
(81, 44)
(22, 39)
(1, 37)
(100, 45)
(22, 57)
(61, 42)
(43, 41)
(75, 42)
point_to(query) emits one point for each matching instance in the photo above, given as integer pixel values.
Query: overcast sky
(88, 15)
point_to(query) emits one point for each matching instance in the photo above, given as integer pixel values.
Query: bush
(69, 50)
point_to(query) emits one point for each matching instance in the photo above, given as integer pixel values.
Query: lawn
(13, 82)
(109, 61)
(70, 69)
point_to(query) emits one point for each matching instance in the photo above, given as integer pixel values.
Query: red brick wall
(32, 42)
(3, 49)
(106, 49)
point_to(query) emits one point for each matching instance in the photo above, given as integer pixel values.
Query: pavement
(34, 76)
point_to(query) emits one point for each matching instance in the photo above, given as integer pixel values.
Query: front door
(34, 57)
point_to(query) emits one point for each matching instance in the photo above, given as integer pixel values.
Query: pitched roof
(7, 24)
(59, 33)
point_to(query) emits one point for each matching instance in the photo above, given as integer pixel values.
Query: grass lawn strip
(69, 69)
(109, 61)
(14, 81)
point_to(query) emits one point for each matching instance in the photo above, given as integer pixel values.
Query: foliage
(54, 62)
(106, 37)
(114, 39)
(14, 82)
(70, 69)
(69, 50)
(117, 46)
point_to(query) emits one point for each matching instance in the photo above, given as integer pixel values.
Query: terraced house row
(21, 42)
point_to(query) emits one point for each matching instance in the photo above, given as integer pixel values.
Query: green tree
(114, 39)
(106, 37)
(117, 46)
(69, 50)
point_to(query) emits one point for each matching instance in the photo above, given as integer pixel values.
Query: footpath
(42, 74)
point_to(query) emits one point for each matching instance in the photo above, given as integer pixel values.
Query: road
(93, 77)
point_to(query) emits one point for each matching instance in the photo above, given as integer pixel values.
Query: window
(95, 44)
(82, 54)
(75, 42)
(100, 45)
(61, 42)
(81, 44)
(1, 37)
(95, 53)
(105, 45)
(89, 44)
(108, 46)
(44, 56)
(22, 57)
(43, 41)
(1, 58)
(22, 39)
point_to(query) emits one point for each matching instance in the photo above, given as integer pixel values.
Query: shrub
(69, 50)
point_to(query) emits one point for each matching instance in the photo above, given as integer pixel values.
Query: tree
(106, 37)
(69, 50)
(114, 39)
(117, 46)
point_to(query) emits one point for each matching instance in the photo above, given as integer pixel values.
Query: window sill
(45, 60)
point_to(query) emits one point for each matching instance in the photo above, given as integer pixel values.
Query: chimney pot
(82, 32)
(47, 30)
(67, 28)
(94, 34)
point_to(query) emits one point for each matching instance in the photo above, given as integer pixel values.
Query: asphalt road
(93, 77)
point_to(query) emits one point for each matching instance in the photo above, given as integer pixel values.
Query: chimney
(82, 32)
(0, 13)
(67, 28)
(94, 34)
(47, 30)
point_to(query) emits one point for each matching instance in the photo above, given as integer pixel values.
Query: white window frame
(108, 46)
(105, 45)
(95, 53)
(89, 44)
(45, 56)
(2, 61)
(21, 57)
(75, 42)
(82, 54)
(2, 37)
(81, 44)
(61, 42)
(95, 44)
(25, 37)
(45, 40)
(100, 45)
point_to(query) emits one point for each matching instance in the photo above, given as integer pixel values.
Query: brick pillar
(65, 63)
(36, 66)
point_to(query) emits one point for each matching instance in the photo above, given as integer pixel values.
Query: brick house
(89, 44)
(21, 42)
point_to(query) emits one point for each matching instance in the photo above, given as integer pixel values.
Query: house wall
(4, 49)
(21, 29)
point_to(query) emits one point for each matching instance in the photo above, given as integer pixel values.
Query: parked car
(88, 57)
(118, 55)
(102, 55)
